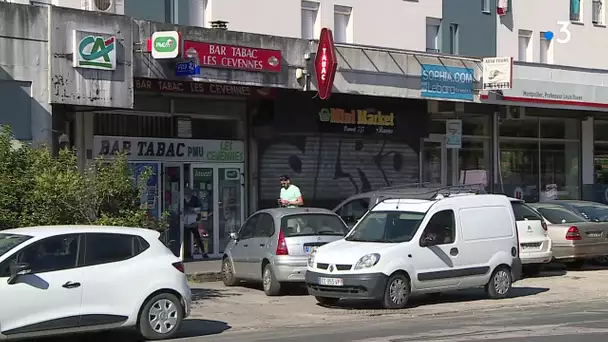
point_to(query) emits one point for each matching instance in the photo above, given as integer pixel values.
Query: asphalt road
(583, 322)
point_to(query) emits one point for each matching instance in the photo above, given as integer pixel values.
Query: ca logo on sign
(165, 45)
(94, 51)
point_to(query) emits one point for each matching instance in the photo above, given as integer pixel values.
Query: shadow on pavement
(287, 289)
(203, 293)
(190, 328)
(442, 298)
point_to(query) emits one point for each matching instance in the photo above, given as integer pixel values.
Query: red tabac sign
(326, 63)
(234, 57)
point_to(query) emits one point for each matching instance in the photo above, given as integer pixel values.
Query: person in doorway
(191, 205)
(290, 196)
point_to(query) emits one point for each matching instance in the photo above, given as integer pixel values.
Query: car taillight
(179, 266)
(544, 224)
(517, 234)
(573, 234)
(282, 245)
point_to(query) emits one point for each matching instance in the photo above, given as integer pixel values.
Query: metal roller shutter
(330, 168)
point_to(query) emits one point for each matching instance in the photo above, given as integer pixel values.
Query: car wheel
(228, 273)
(500, 283)
(271, 285)
(603, 260)
(161, 317)
(327, 300)
(576, 264)
(397, 292)
(531, 270)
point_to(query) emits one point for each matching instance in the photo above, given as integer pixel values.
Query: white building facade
(578, 27)
(398, 24)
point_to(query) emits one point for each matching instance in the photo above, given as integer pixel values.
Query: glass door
(220, 188)
(173, 194)
(433, 162)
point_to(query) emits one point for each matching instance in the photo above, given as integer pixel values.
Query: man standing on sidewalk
(290, 196)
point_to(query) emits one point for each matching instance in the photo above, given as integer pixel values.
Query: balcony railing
(596, 17)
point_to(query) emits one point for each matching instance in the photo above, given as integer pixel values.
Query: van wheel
(160, 317)
(500, 283)
(328, 301)
(228, 273)
(271, 285)
(397, 292)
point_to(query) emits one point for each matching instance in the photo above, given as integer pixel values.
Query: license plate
(530, 245)
(594, 234)
(331, 281)
(309, 249)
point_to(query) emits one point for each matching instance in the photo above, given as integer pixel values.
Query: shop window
(519, 169)
(519, 128)
(559, 128)
(474, 161)
(600, 130)
(601, 163)
(559, 170)
(215, 129)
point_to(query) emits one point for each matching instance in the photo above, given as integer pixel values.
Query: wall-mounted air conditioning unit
(105, 6)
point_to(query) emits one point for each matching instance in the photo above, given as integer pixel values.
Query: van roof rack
(430, 194)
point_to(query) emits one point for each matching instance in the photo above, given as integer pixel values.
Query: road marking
(478, 333)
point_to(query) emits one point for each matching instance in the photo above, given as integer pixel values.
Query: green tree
(37, 188)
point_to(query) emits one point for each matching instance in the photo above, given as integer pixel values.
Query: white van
(411, 246)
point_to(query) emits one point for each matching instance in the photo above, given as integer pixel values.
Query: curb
(205, 277)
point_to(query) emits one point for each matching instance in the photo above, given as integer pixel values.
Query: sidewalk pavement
(204, 270)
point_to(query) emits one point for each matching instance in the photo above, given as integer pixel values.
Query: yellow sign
(356, 117)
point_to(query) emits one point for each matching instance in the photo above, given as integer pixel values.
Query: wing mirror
(18, 270)
(234, 236)
(426, 241)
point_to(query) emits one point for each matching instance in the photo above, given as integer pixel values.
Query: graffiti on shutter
(328, 169)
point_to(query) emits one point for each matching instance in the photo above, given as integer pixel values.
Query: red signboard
(326, 64)
(233, 57)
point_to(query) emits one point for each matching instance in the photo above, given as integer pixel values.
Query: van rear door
(530, 229)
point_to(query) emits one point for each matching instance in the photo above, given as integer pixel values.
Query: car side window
(441, 229)
(523, 212)
(353, 210)
(248, 229)
(51, 254)
(104, 248)
(264, 226)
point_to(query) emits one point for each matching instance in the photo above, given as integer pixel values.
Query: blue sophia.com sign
(446, 82)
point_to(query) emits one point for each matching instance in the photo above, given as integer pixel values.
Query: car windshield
(387, 226)
(312, 224)
(593, 211)
(10, 241)
(556, 215)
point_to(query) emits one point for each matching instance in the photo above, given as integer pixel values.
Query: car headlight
(367, 261)
(311, 258)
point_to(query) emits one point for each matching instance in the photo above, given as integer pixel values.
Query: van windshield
(387, 226)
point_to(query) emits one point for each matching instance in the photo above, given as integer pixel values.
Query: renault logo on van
(331, 268)
(529, 229)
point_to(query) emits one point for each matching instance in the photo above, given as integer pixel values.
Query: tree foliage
(37, 188)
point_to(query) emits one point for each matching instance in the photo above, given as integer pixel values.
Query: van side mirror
(234, 236)
(427, 241)
(18, 270)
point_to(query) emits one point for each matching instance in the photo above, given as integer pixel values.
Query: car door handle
(454, 251)
(245, 245)
(71, 285)
(262, 245)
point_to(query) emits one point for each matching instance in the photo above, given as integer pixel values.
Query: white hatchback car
(68, 279)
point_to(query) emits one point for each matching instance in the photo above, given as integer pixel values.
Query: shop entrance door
(438, 164)
(220, 188)
(173, 194)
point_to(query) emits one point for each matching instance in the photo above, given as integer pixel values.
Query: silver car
(273, 246)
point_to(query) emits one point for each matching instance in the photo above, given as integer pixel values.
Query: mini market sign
(94, 51)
